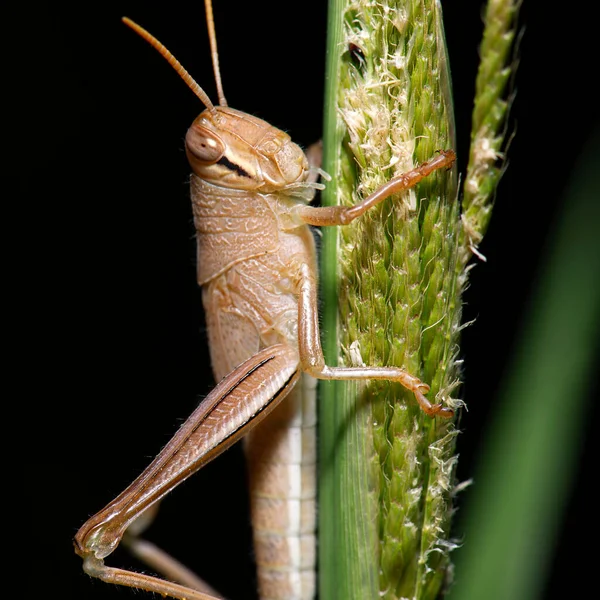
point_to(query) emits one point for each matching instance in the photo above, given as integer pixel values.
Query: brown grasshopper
(250, 189)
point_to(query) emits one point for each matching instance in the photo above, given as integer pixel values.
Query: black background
(116, 356)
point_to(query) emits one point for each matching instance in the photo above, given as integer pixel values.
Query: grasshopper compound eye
(204, 145)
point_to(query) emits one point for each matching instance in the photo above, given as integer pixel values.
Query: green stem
(386, 469)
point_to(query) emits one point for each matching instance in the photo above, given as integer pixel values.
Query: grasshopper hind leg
(240, 401)
(163, 563)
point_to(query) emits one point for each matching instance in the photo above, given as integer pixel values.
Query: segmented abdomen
(282, 470)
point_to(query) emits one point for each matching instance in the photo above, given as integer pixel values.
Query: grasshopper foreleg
(342, 215)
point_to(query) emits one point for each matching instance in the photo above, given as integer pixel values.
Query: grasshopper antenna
(166, 54)
(212, 36)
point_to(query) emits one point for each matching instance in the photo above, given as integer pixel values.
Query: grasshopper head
(232, 149)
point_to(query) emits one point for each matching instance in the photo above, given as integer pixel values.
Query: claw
(432, 410)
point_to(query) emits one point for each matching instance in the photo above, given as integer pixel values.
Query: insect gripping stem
(257, 266)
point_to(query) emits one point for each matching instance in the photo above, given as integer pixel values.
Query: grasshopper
(251, 189)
